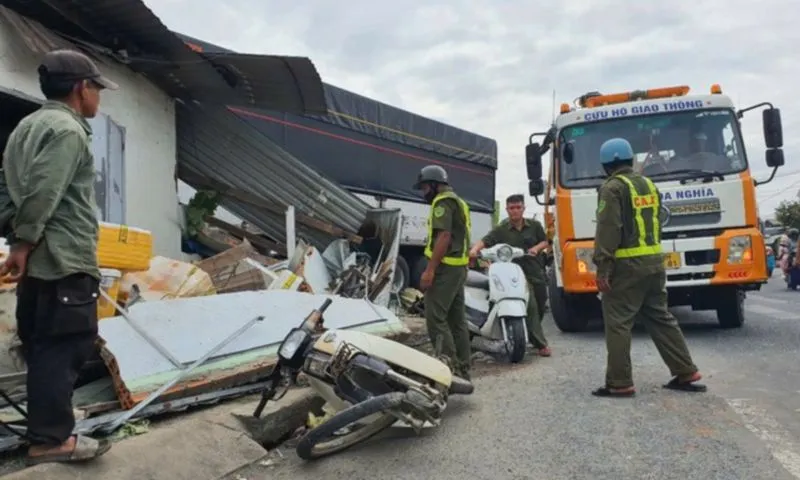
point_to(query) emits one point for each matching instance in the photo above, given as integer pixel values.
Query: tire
(730, 313)
(402, 275)
(517, 343)
(566, 317)
(309, 447)
(459, 386)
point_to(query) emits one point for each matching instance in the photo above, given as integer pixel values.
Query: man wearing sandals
(50, 174)
(631, 275)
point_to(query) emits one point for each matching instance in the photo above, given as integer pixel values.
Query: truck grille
(680, 277)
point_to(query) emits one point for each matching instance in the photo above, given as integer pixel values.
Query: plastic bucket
(109, 281)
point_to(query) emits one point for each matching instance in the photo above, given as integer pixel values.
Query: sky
(491, 67)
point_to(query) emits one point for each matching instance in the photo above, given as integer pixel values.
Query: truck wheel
(730, 313)
(567, 318)
(402, 275)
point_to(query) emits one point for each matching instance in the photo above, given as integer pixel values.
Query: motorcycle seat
(477, 280)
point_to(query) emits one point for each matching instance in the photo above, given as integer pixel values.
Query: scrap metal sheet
(190, 327)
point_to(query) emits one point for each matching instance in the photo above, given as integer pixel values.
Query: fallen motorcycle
(368, 382)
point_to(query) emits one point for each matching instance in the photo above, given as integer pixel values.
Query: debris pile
(175, 333)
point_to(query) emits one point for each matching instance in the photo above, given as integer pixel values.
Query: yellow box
(123, 247)
(109, 281)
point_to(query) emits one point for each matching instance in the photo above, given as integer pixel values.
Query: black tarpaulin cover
(374, 148)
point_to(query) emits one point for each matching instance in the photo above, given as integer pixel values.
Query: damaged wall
(148, 117)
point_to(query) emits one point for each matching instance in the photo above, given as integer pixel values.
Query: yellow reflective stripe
(656, 220)
(452, 261)
(639, 203)
(638, 251)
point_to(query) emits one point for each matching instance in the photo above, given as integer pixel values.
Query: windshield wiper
(592, 177)
(693, 173)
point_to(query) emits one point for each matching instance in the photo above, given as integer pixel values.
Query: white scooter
(497, 303)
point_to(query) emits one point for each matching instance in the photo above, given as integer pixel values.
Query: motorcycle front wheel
(322, 441)
(517, 343)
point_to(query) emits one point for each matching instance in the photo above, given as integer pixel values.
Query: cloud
(491, 67)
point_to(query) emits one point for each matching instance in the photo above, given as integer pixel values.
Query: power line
(795, 184)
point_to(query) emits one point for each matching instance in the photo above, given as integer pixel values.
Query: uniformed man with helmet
(443, 279)
(631, 275)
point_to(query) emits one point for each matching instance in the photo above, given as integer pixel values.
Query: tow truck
(691, 146)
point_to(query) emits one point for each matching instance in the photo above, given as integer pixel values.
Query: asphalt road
(538, 420)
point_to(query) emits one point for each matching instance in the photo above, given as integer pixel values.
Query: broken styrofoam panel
(220, 373)
(315, 271)
(190, 327)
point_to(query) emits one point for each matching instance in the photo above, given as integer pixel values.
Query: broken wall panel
(188, 328)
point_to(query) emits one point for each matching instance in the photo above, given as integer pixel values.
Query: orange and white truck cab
(691, 146)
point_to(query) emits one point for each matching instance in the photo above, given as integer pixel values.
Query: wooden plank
(256, 240)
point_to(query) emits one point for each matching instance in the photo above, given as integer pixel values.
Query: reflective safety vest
(452, 261)
(645, 207)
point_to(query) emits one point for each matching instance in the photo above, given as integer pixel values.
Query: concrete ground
(538, 420)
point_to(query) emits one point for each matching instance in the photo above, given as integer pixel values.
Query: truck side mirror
(773, 129)
(568, 153)
(536, 187)
(533, 161)
(775, 157)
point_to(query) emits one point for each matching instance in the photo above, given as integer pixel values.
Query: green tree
(788, 213)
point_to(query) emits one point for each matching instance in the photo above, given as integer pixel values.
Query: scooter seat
(477, 280)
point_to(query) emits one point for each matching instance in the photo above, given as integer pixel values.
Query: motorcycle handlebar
(325, 305)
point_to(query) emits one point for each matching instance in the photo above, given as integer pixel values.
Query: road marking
(773, 301)
(778, 441)
(771, 312)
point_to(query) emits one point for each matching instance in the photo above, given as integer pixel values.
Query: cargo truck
(375, 151)
(692, 147)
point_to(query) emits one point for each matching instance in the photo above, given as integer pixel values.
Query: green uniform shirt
(531, 234)
(50, 175)
(615, 227)
(448, 217)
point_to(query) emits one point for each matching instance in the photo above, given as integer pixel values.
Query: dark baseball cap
(73, 65)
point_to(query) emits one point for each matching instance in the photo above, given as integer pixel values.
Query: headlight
(740, 249)
(583, 257)
(291, 343)
(505, 253)
(316, 364)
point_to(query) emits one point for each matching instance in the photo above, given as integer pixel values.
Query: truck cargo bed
(370, 147)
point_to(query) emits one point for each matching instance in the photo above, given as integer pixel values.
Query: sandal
(686, 386)
(544, 352)
(86, 448)
(613, 393)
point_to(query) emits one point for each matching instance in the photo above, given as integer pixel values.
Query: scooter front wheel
(322, 441)
(517, 343)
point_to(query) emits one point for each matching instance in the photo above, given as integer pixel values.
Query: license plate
(672, 261)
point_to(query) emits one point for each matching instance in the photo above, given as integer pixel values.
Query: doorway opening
(14, 107)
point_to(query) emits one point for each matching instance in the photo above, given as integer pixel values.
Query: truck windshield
(668, 146)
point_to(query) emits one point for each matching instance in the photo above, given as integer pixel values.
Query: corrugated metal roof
(217, 149)
(36, 37)
(131, 33)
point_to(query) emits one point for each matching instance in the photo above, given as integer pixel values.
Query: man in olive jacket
(529, 235)
(49, 174)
